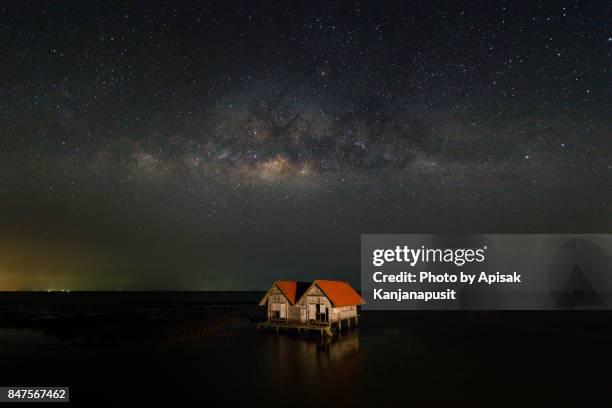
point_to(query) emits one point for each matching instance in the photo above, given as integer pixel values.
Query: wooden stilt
(325, 330)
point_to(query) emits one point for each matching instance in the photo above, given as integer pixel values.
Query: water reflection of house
(322, 304)
(329, 366)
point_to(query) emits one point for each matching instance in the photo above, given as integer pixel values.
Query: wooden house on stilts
(323, 305)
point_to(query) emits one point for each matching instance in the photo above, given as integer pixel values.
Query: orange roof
(339, 293)
(293, 290)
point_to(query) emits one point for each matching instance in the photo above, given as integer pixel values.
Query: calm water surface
(390, 359)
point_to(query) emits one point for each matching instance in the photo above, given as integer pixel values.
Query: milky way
(209, 145)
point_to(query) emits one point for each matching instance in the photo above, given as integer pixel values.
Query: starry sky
(221, 145)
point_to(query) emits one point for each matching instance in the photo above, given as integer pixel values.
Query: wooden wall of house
(344, 312)
(295, 313)
(275, 299)
(304, 310)
(314, 296)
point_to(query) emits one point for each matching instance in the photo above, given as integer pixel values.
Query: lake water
(198, 347)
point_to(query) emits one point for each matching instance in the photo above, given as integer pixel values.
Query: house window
(321, 315)
(275, 311)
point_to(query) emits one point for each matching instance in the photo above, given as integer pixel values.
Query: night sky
(206, 146)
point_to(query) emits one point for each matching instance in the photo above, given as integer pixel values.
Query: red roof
(339, 293)
(293, 290)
